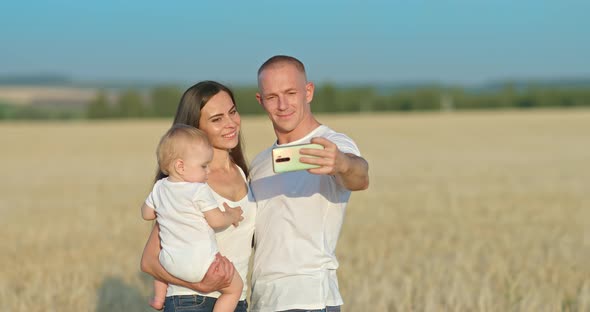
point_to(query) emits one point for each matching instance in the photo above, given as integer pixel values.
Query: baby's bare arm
(148, 213)
(219, 220)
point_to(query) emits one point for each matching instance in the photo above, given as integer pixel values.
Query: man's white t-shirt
(235, 243)
(188, 242)
(298, 222)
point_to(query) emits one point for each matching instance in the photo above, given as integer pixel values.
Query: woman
(210, 107)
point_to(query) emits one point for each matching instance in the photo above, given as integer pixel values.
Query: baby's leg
(230, 295)
(159, 294)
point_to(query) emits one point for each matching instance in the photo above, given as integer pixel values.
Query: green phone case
(285, 159)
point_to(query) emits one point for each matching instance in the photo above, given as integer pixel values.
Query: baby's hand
(236, 214)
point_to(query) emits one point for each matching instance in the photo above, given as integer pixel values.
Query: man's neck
(298, 133)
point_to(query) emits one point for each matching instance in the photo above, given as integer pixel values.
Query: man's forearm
(356, 175)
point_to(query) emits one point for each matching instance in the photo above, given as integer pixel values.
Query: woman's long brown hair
(189, 113)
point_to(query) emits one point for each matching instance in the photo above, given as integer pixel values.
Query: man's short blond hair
(174, 143)
(282, 59)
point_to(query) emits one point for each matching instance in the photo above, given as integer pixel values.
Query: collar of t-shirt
(304, 139)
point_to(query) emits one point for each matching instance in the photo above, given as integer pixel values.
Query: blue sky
(466, 42)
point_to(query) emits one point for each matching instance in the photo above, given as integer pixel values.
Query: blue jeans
(326, 309)
(196, 303)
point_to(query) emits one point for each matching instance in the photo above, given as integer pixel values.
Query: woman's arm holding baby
(218, 276)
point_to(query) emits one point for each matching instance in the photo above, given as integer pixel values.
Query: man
(299, 214)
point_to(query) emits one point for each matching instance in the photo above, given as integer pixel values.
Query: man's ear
(309, 89)
(179, 166)
(259, 98)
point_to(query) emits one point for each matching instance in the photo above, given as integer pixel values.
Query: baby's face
(196, 162)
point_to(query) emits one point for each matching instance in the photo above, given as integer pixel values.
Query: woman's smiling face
(221, 121)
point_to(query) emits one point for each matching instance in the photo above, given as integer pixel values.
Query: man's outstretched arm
(351, 171)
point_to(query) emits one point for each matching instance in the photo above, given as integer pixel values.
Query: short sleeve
(149, 201)
(345, 144)
(204, 199)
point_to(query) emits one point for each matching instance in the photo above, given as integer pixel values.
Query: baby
(187, 214)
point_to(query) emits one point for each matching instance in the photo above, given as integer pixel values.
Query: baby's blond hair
(173, 144)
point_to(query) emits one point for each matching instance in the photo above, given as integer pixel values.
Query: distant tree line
(161, 101)
(331, 99)
(366, 99)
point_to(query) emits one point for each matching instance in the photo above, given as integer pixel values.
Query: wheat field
(471, 211)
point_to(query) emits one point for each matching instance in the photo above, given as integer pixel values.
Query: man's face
(285, 96)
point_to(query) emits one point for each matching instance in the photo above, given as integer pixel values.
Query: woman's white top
(235, 243)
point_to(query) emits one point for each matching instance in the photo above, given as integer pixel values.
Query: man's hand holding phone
(287, 158)
(321, 156)
(330, 160)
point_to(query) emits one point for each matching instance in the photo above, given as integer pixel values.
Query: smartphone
(285, 159)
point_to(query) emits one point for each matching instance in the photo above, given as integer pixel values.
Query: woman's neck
(221, 160)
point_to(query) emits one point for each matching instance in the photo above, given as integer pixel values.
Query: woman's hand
(219, 276)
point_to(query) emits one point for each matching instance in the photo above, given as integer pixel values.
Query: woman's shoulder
(242, 173)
